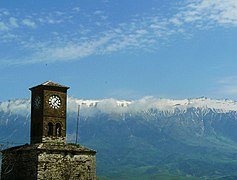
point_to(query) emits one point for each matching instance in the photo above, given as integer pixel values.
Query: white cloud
(5, 12)
(13, 22)
(76, 51)
(211, 11)
(228, 80)
(29, 23)
(98, 12)
(6, 38)
(51, 19)
(47, 52)
(147, 104)
(120, 107)
(3, 26)
(77, 9)
(228, 85)
(176, 21)
(144, 32)
(229, 89)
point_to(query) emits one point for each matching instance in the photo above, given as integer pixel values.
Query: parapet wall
(49, 161)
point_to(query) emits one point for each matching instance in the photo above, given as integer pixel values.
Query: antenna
(78, 119)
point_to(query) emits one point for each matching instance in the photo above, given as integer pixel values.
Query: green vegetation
(142, 152)
(181, 146)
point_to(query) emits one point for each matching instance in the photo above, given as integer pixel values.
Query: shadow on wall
(0, 164)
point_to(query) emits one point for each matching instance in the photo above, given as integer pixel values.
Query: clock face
(54, 102)
(37, 102)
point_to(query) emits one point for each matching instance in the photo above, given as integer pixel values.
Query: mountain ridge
(145, 138)
(122, 106)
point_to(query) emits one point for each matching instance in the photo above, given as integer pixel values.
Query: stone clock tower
(48, 113)
(48, 156)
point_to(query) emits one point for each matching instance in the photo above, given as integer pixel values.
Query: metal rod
(78, 119)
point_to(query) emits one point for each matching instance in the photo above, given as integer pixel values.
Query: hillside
(145, 139)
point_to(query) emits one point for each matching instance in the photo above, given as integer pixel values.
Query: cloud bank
(120, 107)
(99, 36)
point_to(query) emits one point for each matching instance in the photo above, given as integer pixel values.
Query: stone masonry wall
(47, 161)
(19, 165)
(66, 166)
(52, 139)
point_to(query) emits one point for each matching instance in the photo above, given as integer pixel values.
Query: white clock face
(54, 102)
(37, 102)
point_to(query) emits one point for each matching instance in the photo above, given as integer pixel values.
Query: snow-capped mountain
(190, 137)
(22, 106)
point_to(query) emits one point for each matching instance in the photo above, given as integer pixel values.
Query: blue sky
(120, 49)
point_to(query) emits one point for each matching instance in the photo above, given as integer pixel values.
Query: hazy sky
(124, 49)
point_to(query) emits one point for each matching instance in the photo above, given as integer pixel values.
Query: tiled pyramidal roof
(51, 84)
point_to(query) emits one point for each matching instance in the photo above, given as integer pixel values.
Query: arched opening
(50, 129)
(58, 129)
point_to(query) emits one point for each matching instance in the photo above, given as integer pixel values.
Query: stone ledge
(52, 147)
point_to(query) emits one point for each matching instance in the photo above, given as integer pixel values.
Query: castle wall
(19, 165)
(53, 139)
(49, 161)
(66, 166)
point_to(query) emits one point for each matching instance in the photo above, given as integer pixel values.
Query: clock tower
(48, 113)
(48, 156)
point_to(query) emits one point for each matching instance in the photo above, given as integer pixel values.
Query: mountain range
(147, 138)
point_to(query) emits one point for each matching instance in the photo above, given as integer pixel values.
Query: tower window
(58, 129)
(50, 129)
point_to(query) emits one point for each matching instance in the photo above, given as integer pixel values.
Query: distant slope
(148, 138)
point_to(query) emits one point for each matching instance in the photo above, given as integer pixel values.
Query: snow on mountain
(147, 103)
(18, 106)
(22, 106)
